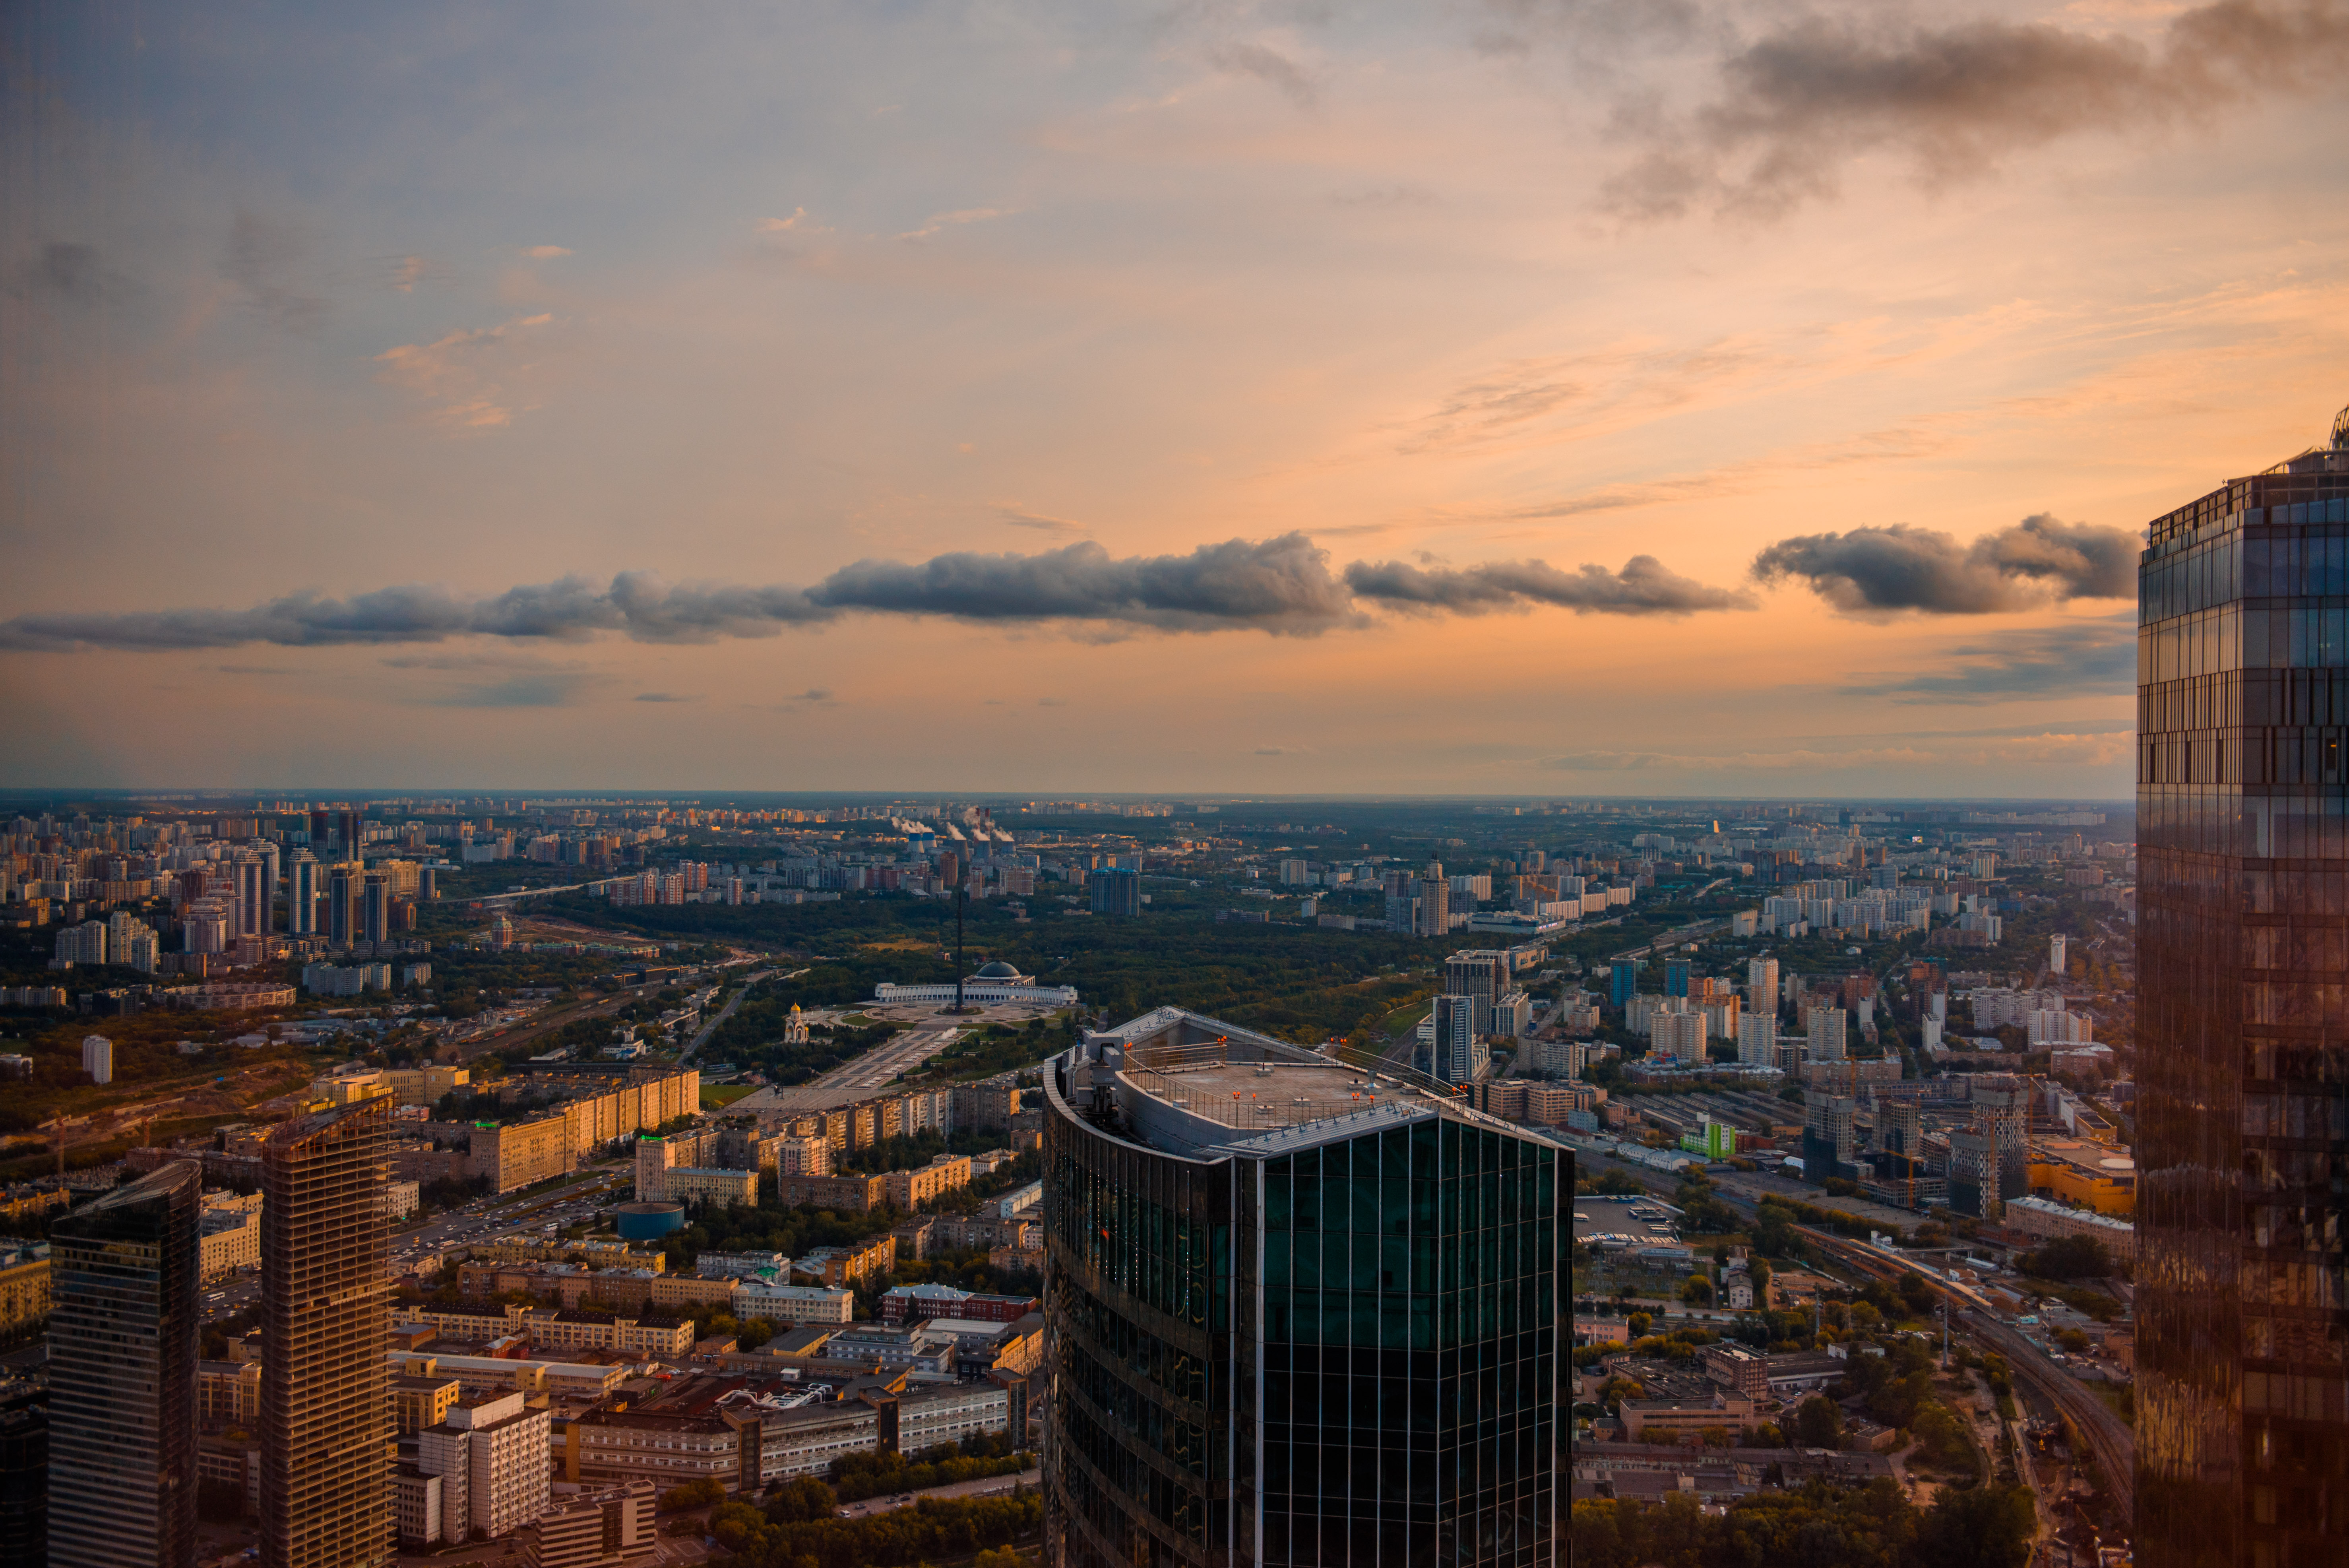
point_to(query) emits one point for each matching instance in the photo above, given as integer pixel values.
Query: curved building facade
(1298, 1314)
(122, 1375)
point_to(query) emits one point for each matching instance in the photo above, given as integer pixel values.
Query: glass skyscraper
(2243, 1022)
(1300, 1312)
(325, 1390)
(123, 1273)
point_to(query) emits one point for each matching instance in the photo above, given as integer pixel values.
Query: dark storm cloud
(1644, 587)
(1282, 585)
(1879, 570)
(1797, 104)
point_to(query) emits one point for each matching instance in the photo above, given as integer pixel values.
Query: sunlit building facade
(1302, 1314)
(2243, 1023)
(326, 1391)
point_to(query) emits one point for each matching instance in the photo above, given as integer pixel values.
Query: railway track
(2107, 1437)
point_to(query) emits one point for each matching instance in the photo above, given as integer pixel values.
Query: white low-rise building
(994, 985)
(491, 1460)
(776, 1303)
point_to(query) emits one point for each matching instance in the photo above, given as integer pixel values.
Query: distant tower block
(2055, 955)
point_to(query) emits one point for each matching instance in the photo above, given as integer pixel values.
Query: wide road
(724, 1013)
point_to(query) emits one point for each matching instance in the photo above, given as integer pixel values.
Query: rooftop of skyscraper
(1194, 1086)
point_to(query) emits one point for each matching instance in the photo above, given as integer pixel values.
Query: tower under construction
(326, 1412)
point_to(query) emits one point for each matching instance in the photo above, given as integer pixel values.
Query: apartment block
(713, 1185)
(421, 1399)
(845, 1194)
(795, 1302)
(228, 1393)
(592, 1527)
(944, 1174)
(492, 1459)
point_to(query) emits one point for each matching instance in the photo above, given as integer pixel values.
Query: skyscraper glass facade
(123, 1273)
(1330, 1341)
(2243, 1062)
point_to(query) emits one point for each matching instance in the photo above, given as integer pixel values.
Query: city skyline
(1125, 389)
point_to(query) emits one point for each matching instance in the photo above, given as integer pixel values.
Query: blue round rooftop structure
(650, 1222)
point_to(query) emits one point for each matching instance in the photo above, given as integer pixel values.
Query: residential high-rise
(302, 889)
(1975, 1171)
(325, 1405)
(124, 1270)
(255, 895)
(1676, 1031)
(1827, 1136)
(374, 907)
(1431, 914)
(1459, 1054)
(1481, 973)
(343, 913)
(1297, 1315)
(1116, 890)
(83, 944)
(1757, 1036)
(1762, 987)
(131, 942)
(1676, 976)
(1622, 982)
(1827, 1034)
(2242, 685)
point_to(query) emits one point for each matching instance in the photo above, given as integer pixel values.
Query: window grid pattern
(1347, 1353)
(2243, 953)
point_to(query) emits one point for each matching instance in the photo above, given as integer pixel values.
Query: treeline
(770, 1227)
(1300, 982)
(855, 1477)
(1819, 1526)
(785, 1535)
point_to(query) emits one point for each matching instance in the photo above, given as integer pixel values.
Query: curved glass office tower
(1300, 1315)
(2243, 1023)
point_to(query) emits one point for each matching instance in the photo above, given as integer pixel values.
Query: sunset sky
(1642, 398)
